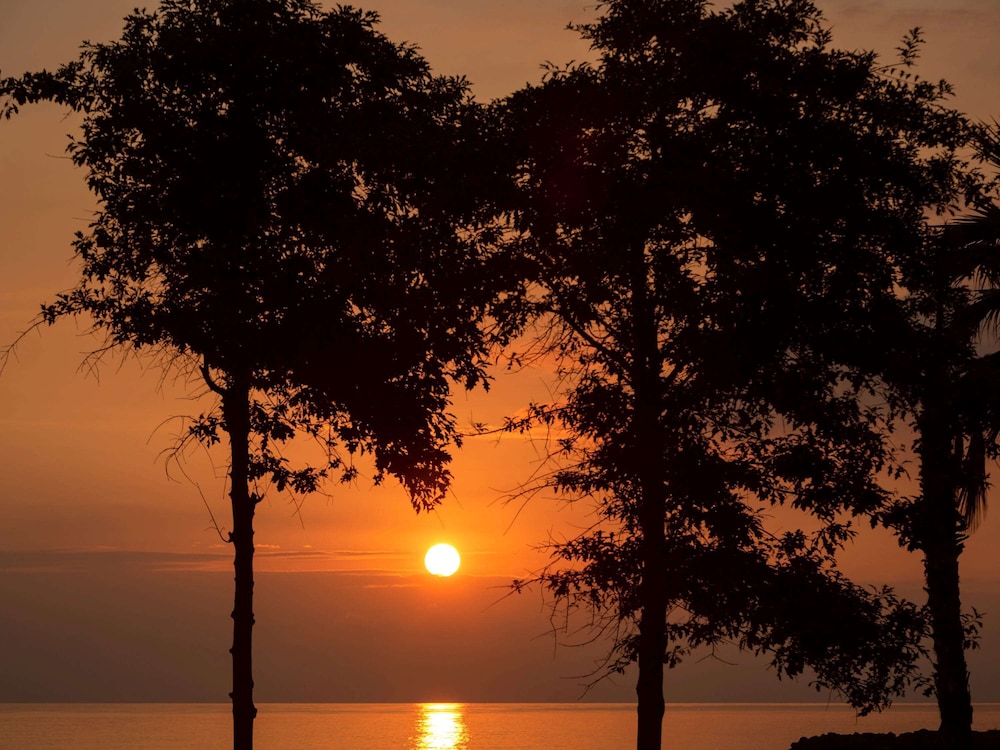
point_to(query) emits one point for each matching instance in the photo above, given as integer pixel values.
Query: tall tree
(284, 205)
(714, 214)
(943, 370)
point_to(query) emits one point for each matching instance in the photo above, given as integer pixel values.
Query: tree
(714, 214)
(945, 384)
(285, 205)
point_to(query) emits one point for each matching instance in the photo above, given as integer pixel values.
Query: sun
(442, 560)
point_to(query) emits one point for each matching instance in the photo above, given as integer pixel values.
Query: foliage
(293, 214)
(943, 375)
(287, 204)
(717, 214)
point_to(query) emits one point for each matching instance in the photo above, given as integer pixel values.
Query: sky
(113, 584)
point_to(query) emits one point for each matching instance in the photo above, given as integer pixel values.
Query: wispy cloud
(218, 558)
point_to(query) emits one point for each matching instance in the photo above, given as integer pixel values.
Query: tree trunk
(648, 448)
(939, 535)
(652, 637)
(236, 412)
(951, 676)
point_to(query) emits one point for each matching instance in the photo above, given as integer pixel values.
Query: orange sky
(114, 587)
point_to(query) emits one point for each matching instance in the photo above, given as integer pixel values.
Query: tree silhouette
(944, 371)
(285, 206)
(713, 214)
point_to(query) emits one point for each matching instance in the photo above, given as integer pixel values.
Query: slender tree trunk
(951, 676)
(939, 534)
(940, 538)
(236, 412)
(652, 632)
(653, 597)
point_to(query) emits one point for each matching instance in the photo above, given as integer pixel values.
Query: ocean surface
(443, 726)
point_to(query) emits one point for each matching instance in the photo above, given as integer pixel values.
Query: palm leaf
(989, 143)
(972, 494)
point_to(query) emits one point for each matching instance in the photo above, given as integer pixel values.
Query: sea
(444, 726)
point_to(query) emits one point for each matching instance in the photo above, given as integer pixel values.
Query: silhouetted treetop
(284, 191)
(719, 213)
(290, 203)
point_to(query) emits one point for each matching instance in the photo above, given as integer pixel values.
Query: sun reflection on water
(441, 726)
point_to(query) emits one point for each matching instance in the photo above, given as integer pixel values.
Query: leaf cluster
(303, 218)
(723, 215)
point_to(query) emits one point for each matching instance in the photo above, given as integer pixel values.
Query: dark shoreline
(924, 739)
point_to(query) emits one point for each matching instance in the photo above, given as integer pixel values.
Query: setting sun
(442, 560)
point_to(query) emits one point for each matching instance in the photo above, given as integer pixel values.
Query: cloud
(63, 560)
(220, 558)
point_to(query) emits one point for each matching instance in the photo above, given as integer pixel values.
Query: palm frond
(972, 245)
(972, 494)
(984, 311)
(982, 223)
(989, 143)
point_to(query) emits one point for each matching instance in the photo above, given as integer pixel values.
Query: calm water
(442, 726)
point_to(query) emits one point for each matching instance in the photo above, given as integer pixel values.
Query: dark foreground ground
(922, 740)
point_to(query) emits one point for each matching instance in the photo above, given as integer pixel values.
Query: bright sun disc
(442, 560)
